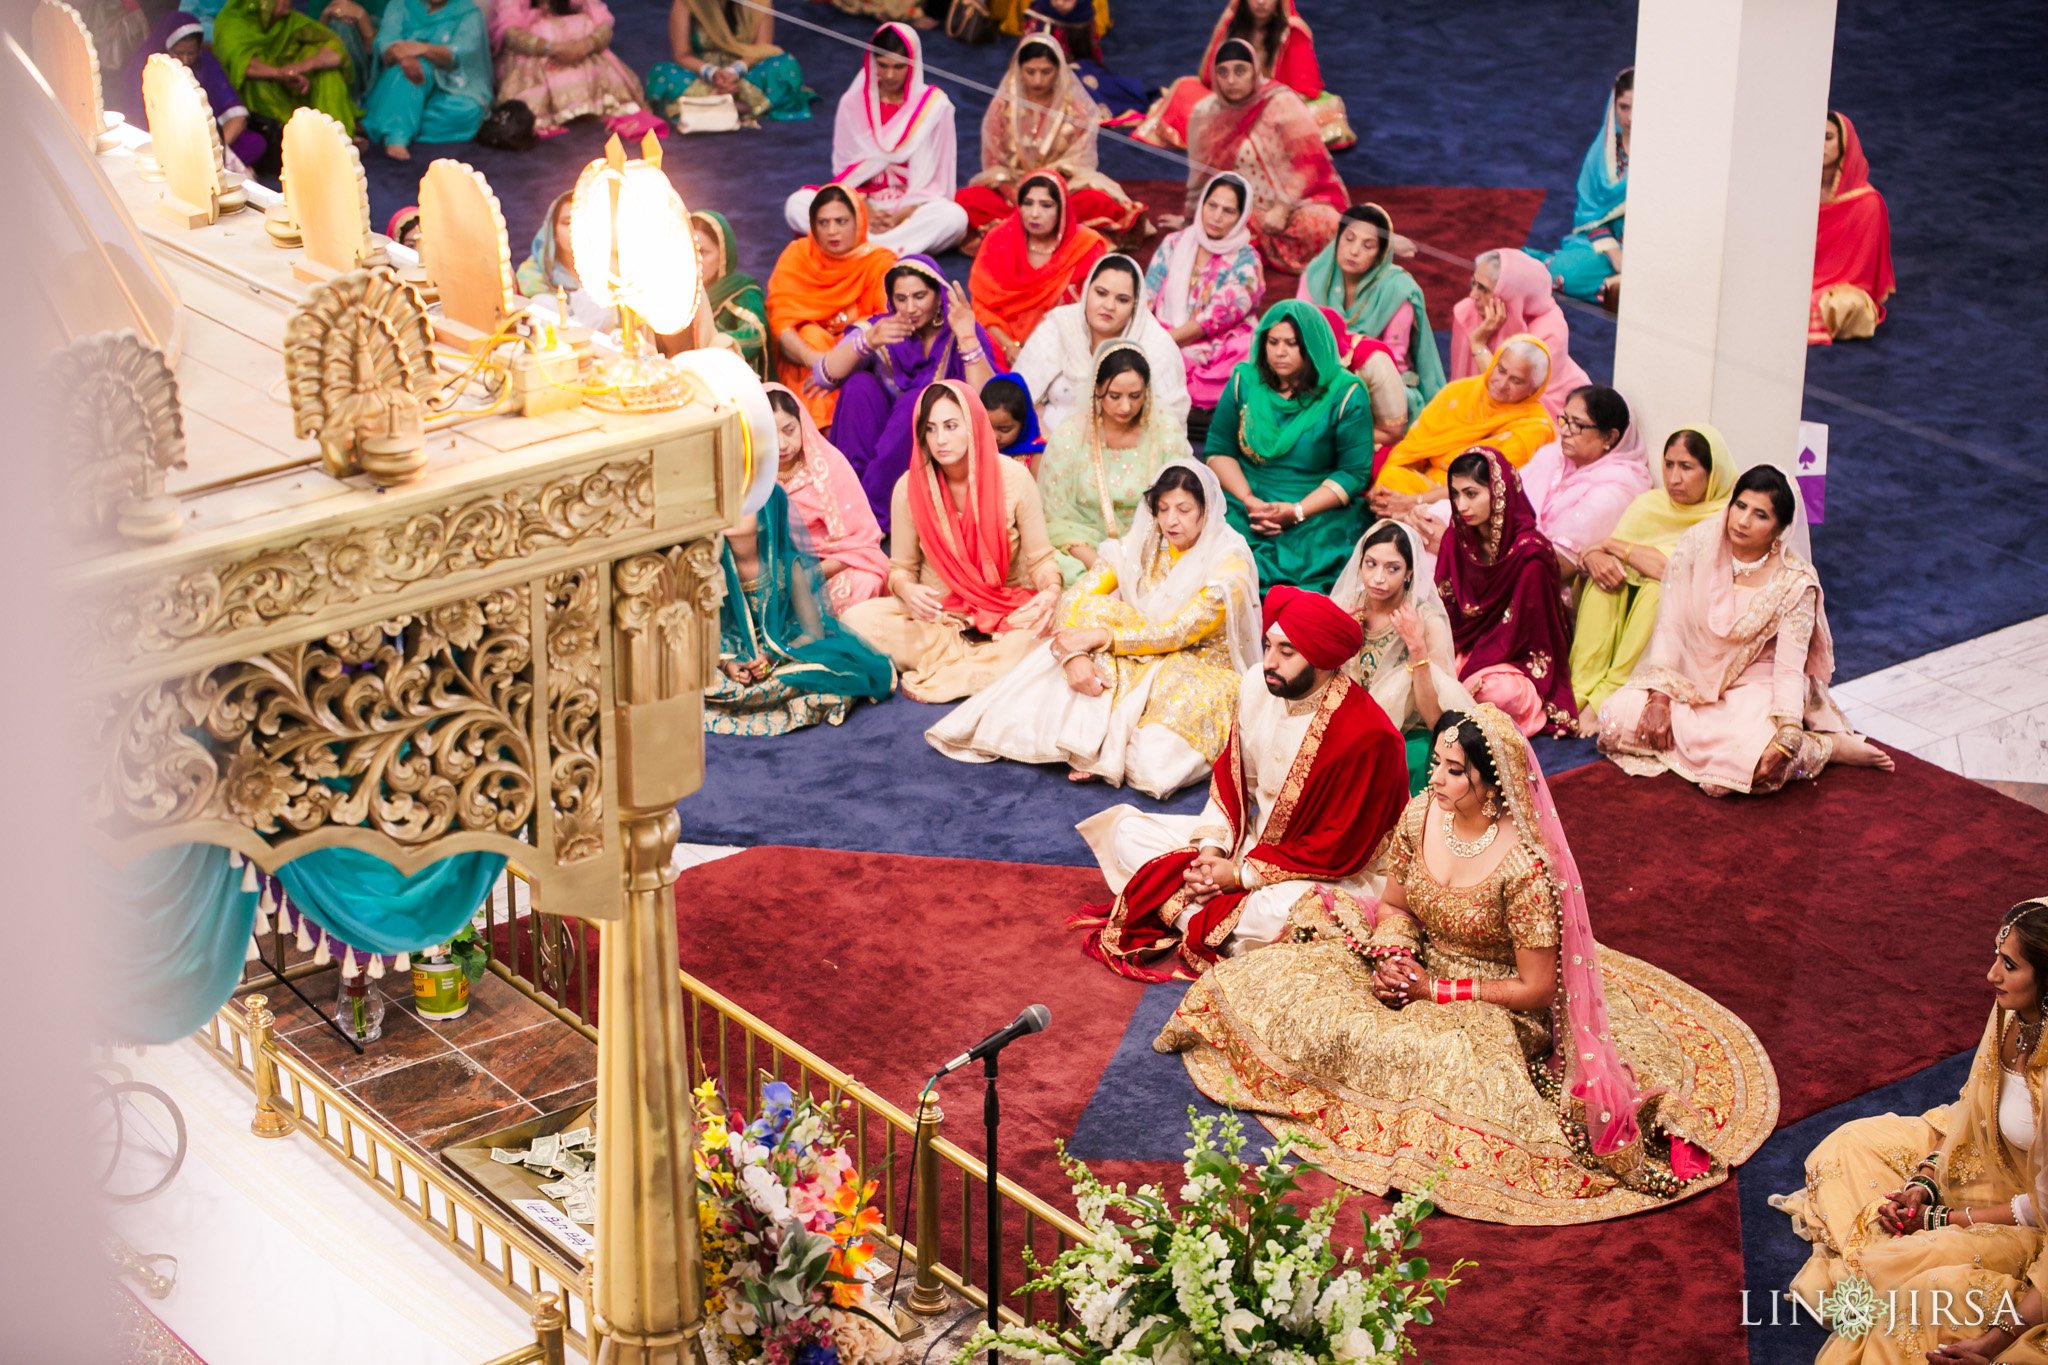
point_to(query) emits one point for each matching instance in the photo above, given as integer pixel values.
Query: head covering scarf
(1463, 415)
(1599, 1083)
(1137, 552)
(1232, 50)
(1176, 294)
(1854, 241)
(407, 217)
(1653, 519)
(1272, 423)
(968, 546)
(1065, 340)
(1352, 350)
(247, 31)
(1524, 292)
(1074, 479)
(542, 271)
(1067, 121)
(812, 287)
(905, 365)
(713, 20)
(1702, 643)
(1501, 590)
(169, 29)
(1381, 291)
(1031, 440)
(825, 492)
(1974, 1154)
(1324, 633)
(787, 621)
(1011, 293)
(1294, 65)
(1391, 684)
(1578, 505)
(723, 278)
(1603, 175)
(859, 129)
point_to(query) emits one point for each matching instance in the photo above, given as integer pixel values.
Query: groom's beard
(1291, 688)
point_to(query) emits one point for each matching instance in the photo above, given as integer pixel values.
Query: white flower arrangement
(1236, 1275)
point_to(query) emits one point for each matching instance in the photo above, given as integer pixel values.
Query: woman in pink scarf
(1206, 282)
(827, 505)
(555, 57)
(1732, 693)
(1582, 482)
(1510, 295)
(893, 141)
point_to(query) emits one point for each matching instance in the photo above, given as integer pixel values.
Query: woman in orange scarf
(824, 283)
(972, 580)
(1852, 253)
(1502, 408)
(1035, 260)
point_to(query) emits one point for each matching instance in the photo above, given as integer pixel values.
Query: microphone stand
(991, 1117)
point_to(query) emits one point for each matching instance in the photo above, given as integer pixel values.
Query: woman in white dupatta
(893, 141)
(1139, 686)
(1058, 361)
(1408, 662)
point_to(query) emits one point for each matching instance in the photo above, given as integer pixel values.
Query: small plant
(1237, 1273)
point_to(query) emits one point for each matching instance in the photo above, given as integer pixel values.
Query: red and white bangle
(1447, 992)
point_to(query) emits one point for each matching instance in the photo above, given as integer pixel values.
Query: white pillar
(1723, 193)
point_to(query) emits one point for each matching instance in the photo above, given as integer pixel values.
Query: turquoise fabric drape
(178, 935)
(787, 621)
(369, 905)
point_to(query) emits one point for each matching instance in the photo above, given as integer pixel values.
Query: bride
(1139, 687)
(1468, 1030)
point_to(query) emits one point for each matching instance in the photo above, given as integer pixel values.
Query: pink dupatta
(1577, 506)
(1524, 291)
(826, 496)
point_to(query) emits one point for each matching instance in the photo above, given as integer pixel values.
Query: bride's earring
(1489, 809)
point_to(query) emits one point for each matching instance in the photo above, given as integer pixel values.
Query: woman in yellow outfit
(1501, 407)
(1139, 686)
(1950, 1246)
(1624, 573)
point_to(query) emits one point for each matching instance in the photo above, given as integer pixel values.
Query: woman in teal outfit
(784, 661)
(1291, 443)
(436, 81)
(1587, 265)
(724, 47)
(1356, 274)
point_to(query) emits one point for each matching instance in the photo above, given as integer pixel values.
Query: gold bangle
(1419, 663)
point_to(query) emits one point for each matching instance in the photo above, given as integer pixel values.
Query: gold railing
(553, 949)
(550, 1327)
(291, 1098)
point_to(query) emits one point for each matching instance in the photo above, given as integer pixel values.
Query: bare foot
(1854, 751)
(1711, 790)
(1076, 775)
(1589, 724)
(398, 152)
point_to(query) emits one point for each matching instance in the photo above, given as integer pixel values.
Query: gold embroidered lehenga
(1977, 1166)
(1466, 1093)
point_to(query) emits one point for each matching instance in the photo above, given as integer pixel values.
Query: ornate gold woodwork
(316, 577)
(359, 362)
(665, 611)
(120, 429)
(575, 712)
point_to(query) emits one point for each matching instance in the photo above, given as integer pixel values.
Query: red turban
(1324, 633)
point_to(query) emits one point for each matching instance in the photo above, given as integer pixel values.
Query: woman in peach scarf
(972, 579)
(1500, 408)
(823, 283)
(1510, 296)
(827, 504)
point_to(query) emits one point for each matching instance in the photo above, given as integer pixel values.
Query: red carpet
(1457, 222)
(1819, 915)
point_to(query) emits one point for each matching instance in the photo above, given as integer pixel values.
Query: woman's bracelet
(1933, 1190)
(1937, 1217)
(1299, 515)
(862, 347)
(973, 355)
(1418, 663)
(1446, 992)
(821, 375)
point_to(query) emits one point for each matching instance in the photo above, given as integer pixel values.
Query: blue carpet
(1771, 1253)
(1139, 1109)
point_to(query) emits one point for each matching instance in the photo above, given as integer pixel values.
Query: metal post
(270, 1121)
(928, 1297)
(991, 1117)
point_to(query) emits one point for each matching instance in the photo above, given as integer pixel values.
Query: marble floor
(1979, 708)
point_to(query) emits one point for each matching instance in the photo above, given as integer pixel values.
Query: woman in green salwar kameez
(281, 61)
(738, 307)
(1291, 443)
(784, 661)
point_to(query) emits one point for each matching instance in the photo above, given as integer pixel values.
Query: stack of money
(570, 1156)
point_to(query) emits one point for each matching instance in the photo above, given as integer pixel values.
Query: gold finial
(615, 153)
(650, 149)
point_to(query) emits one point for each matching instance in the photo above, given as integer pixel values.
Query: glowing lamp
(630, 236)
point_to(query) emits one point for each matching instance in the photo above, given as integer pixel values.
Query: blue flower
(812, 1353)
(778, 1107)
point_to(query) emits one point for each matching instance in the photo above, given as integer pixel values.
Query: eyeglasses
(1568, 425)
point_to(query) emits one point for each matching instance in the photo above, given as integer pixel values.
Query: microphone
(1034, 1018)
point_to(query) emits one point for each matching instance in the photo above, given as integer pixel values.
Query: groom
(1312, 778)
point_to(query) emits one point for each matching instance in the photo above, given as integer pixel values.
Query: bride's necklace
(1467, 848)
(2030, 1035)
